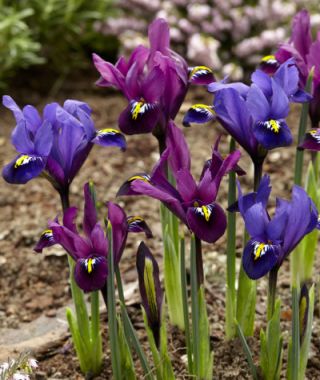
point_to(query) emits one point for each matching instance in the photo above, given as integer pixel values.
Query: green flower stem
(231, 256)
(302, 130)
(298, 172)
(130, 331)
(76, 292)
(247, 289)
(295, 335)
(199, 262)
(96, 343)
(273, 275)
(112, 316)
(247, 351)
(185, 305)
(195, 307)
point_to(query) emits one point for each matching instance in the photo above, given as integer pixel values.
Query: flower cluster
(194, 204)
(55, 145)
(254, 115)
(272, 240)
(154, 80)
(91, 251)
(18, 369)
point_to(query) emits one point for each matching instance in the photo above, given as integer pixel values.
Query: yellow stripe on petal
(22, 160)
(269, 59)
(199, 71)
(108, 131)
(144, 178)
(260, 249)
(203, 108)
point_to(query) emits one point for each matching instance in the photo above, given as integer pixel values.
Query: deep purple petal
(301, 32)
(9, 103)
(256, 220)
(118, 220)
(138, 224)
(300, 216)
(172, 203)
(199, 113)
(23, 168)
(186, 185)
(259, 258)
(201, 75)
(69, 217)
(152, 86)
(21, 138)
(311, 140)
(257, 103)
(75, 245)
(110, 74)
(91, 273)
(179, 157)
(126, 188)
(208, 222)
(159, 36)
(233, 113)
(139, 117)
(272, 134)
(90, 218)
(99, 241)
(43, 139)
(46, 240)
(241, 88)
(280, 102)
(263, 81)
(110, 137)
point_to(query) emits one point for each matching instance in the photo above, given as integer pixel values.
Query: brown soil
(32, 285)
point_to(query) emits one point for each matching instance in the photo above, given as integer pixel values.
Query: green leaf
(305, 346)
(246, 303)
(271, 347)
(206, 356)
(127, 366)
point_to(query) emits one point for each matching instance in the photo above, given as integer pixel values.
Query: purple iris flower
(154, 80)
(307, 55)
(55, 145)
(90, 252)
(195, 204)
(272, 240)
(254, 115)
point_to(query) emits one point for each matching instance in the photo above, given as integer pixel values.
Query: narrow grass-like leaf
(271, 347)
(247, 351)
(305, 345)
(127, 366)
(112, 314)
(184, 290)
(231, 256)
(195, 308)
(130, 331)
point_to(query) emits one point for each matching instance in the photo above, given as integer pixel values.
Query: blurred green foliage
(59, 33)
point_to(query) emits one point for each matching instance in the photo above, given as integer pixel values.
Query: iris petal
(259, 258)
(110, 137)
(199, 113)
(272, 133)
(91, 273)
(138, 224)
(200, 75)
(46, 240)
(139, 117)
(208, 222)
(311, 140)
(23, 168)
